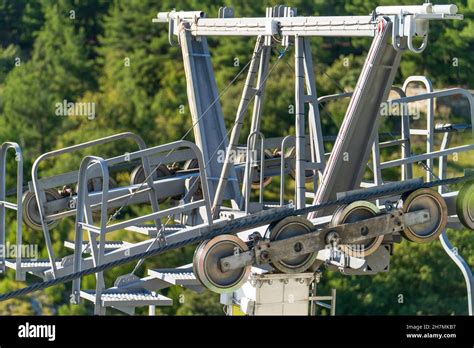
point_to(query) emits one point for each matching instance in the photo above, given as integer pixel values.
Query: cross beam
(409, 17)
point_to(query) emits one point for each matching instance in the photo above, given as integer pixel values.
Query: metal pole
(430, 117)
(247, 95)
(3, 151)
(313, 113)
(300, 123)
(333, 302)
(283, 167)
(19, 213)
(258, 103)
(463, 266)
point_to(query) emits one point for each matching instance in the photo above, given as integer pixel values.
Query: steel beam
(360, 125)
(208, 120)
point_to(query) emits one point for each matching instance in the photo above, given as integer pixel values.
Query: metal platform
(31, 265)
(151, 230)
(35, 267)
(182, 276)
(127, 301)
(112, 245)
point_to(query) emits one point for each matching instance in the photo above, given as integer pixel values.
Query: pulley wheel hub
(287, 228)
(431, 200)
(206, 264)
(31, 216)
(465, 205)
(354, 212)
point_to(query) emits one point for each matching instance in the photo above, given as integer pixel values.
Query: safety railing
(84, 219)
(18, 207)
(40, 186)
(431, 154)
(284, 144)
(251, 162)
(407, 159)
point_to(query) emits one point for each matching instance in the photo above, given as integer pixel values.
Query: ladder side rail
(250, 162)
(83, 215)
(258, 103)
(6, 205)
(430, 116)
(287, 139)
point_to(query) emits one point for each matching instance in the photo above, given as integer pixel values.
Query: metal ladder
(18, 207)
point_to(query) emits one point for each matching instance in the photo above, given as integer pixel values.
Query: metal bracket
(226, 12)
(125, 280)
(352, 233)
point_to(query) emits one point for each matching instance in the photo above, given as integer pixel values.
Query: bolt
(264, 255)
(331, 237)
(364, 230)
(298, 247)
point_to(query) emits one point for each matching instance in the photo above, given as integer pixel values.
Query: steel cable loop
(235, 226)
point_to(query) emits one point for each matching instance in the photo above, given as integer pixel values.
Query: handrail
(433, 154)
(439, 94)
(464, 268)
(18, 206)
(138, 140)
(429, 115)
(39, 193)
(419, 97)
(83, 213)
(248, 171)
(282, 167)
(83, 209)
(162, 148)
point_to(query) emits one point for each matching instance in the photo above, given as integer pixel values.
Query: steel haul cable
(237, 225)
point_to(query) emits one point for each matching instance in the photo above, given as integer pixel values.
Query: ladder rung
(418, 132)
(199, 55)
(313, 166)
(321, 298)
(392, 143)
(324, 305)
(9, 205)
(88, 227)
(381, 66)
